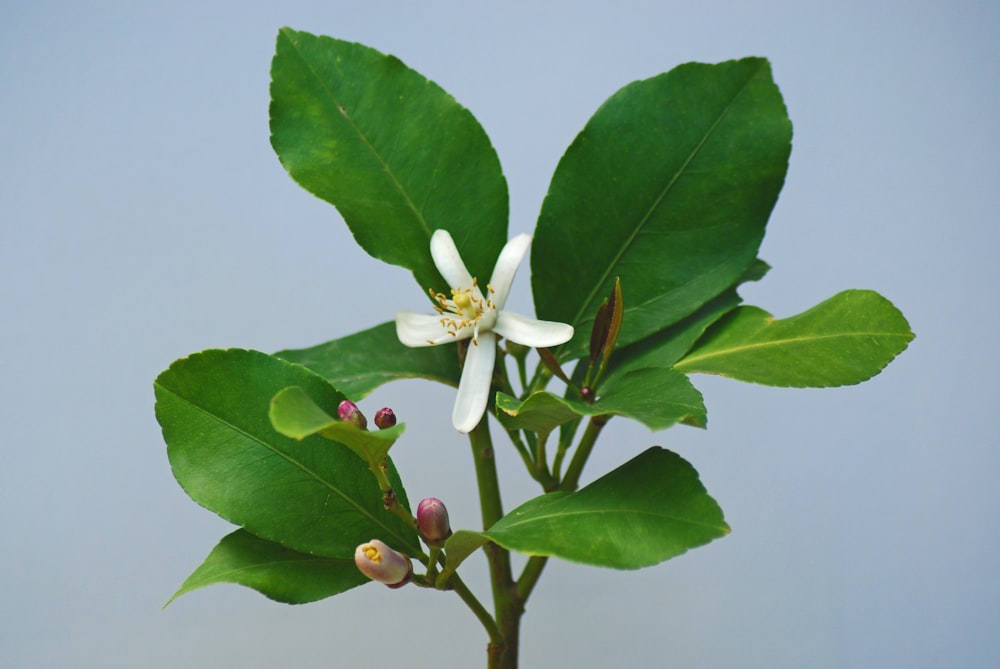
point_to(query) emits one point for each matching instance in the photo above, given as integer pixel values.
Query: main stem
(508, 608)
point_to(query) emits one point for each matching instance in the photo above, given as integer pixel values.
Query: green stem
(501, 654)
(462, 590)
(529, 577)
(583, 449)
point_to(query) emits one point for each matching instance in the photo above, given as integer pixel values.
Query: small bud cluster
(381, 563)
(349, 412)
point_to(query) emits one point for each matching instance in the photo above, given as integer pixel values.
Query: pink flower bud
(385, 418)
(432, 519)
(380, 563)
(350, 413)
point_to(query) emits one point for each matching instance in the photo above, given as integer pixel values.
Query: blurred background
(143, 216)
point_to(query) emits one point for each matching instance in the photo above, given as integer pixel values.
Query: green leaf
(276, 572)
(650, 509)
(669, 187)
(313, 496)
(294, 414)
(458, 547)
(361, 362)
(396, 154)
(844, 340)
(656, 397)
(666, 347)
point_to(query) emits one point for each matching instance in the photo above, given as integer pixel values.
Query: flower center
(466, 308)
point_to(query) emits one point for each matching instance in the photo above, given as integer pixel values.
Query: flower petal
(474, 387)
(530, 331)
(448, 261)
(507, 264)
(415, 329)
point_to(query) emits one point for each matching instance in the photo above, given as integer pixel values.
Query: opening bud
(432, 519)
(385, 418)
(381, 563)
(350, 413)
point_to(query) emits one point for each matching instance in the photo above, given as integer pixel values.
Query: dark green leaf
(844, 340)
(314, 495)
(396, 154)
(669, 186)
(276, 572)
(361, 362)
(650, 509)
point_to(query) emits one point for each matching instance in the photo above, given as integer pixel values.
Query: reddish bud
(432, 519)
(385, 418)
(350, 413)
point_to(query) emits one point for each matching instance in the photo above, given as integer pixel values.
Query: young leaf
(394, 153)
(844, 340)
(313, 496)
(294, 414)
(669, 186)
(361, 362)
(459, 546)
(650, 509)
(656, 397)
(276, 572)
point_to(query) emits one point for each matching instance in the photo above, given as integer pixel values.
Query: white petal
(503, 274)
(448, 261)
(474, 387)
(415, 329)
(530, 331)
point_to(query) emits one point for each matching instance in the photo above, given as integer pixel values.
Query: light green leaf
(396, 154)
(650, 509)
(458, 547)
(669, 187)
(276, 572)
(656, 397)
(313, 496)
(844, 340)
(295, 415)
(361, 362)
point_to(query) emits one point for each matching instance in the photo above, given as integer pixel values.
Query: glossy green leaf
(276, 572)
(669, 186)
(650, 509)
(294, 414)
(844, 340)
(656, 397)
(396, 154)
(313, 496)
(361, 362)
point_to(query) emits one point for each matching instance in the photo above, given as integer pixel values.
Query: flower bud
(432, 519)
(385, 418)
(381, 563)
(350, 413)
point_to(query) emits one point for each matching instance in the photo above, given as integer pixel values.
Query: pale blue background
(143, 216)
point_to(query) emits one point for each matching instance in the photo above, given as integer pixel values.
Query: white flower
(470, 314)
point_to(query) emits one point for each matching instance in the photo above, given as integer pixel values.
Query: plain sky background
(143, 216)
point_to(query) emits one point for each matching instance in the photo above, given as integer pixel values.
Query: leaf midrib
(800, 340)
(342, 110)
(605, 276)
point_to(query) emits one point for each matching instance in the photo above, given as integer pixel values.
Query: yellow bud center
(372, 553)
